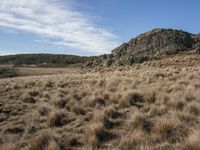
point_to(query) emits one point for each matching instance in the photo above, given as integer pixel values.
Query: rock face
(196, 46)
(150, 45)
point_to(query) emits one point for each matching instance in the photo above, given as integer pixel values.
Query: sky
(87, 27)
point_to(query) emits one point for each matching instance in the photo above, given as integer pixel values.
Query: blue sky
(87, 27)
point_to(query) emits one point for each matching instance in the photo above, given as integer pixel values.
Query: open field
(150, 106)
(37, 70)
(27, 71)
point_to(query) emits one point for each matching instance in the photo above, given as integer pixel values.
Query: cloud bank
(61, 25)
(6, 52)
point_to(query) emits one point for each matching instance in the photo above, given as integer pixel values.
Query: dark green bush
(6, 72)
(39, 59)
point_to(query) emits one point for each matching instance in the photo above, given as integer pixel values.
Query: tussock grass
(27, 98)
(96, 135)
(43, 110)
(8, 146)
(57, 119)
(140, 121)
(44, 141)
(134, 140)
(193, 141)
(150, 106)
(132, 98)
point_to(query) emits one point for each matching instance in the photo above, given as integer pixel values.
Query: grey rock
(150, 45)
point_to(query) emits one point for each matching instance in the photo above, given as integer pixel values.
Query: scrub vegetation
(154, 105)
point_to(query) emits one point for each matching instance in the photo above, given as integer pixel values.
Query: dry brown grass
(57, 119)
(44, 141)
(149, 106)
(193, 141)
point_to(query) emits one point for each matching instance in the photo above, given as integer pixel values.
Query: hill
(150, 45)
(39, 59)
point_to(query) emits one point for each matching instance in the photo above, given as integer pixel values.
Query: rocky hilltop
(150, 45)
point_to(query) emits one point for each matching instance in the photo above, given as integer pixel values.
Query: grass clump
(97, 135)
(140, 121)
(193, 141)
(45, 141)
(57, 119)
(132, 99)
(27, 98)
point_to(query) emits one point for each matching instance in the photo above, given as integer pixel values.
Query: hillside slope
(150, 45)
(154, 105)
(36, 59)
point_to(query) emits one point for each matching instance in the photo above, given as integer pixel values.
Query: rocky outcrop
(196, 46)
(150, 45)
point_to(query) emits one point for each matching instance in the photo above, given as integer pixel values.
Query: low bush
(8, 72)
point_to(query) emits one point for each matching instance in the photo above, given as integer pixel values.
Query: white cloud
(7, 52)
(60, 24)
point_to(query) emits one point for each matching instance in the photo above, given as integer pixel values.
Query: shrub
(8, 72)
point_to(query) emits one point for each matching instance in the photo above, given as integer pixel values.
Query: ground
(150, 106)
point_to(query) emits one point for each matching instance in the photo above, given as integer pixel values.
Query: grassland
(150, 106)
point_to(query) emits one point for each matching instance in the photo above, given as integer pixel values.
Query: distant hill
(39, 59)
(150, 45)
